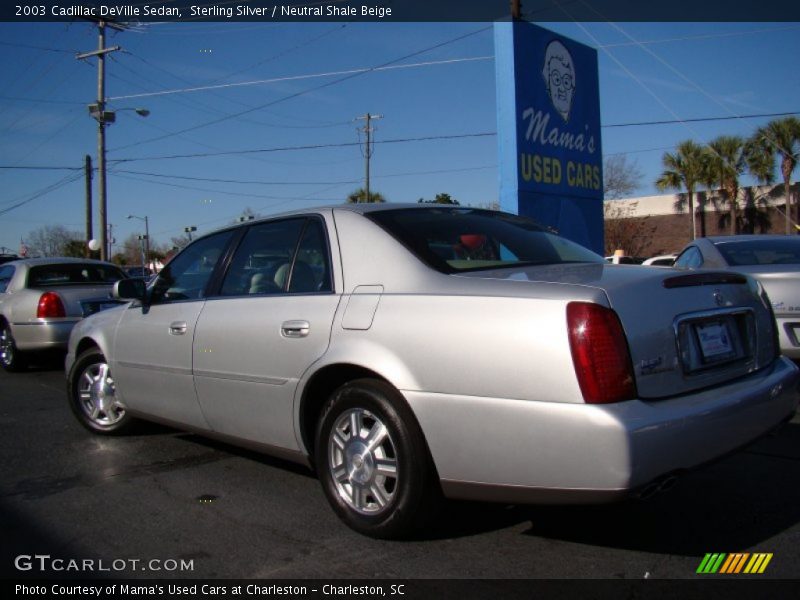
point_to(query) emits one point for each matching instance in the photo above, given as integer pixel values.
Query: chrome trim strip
(50, 322)
(238, 377)
(159, 368)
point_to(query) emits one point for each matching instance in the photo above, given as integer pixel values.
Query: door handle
(177, 327)
(295, 329)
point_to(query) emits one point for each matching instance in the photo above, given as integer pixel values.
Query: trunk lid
(685, 331)
(83, 300)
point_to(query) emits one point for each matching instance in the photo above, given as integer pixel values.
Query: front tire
(373, 462)
(11, 359)
(92, 395)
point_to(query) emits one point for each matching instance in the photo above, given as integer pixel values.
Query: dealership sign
(548, 117)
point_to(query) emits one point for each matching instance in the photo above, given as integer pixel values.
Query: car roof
(360, 208)
(716, 239)
(32, 262)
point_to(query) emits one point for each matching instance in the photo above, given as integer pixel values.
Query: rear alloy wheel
(92, 395)
(11, 359)
(373, 462)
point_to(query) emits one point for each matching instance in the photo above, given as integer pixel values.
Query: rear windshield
(761, 252)
(455, 240)
(73, 274)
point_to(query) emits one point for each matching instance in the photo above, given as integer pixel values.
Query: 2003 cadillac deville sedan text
(407, 352)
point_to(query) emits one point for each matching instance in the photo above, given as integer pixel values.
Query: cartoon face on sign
(559, 77)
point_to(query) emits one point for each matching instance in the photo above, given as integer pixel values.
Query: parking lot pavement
(230, 513)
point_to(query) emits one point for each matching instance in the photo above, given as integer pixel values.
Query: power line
(51, 188)
(706, 36)
(703, 119)
(40, 100)
(307, 76)
(40, 168)
(37, 47)
(200, 106)
(307, 147)
(309, 90)
(332, 183)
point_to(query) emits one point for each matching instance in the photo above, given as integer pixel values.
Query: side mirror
(130, 289)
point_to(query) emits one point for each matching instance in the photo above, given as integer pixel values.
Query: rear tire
(11, 359)
(373, 462)
(92, 395)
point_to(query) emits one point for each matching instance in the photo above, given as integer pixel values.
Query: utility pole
(98, 111)
(367, 118)
(87, 165)
(516, 7)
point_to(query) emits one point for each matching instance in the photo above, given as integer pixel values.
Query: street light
(105, 117)
(146, 236)
(189, 231)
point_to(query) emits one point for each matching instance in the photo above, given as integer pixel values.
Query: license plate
(715, 340)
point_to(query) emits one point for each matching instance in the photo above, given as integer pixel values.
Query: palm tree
(726, 158)
(684, 170)
(360, 195)
(781, 137)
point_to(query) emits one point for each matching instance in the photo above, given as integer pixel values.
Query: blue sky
(648, 72)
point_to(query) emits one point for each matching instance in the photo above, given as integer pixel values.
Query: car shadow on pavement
(44, 362)
(738, 502)
(241, 452)
(23, 539)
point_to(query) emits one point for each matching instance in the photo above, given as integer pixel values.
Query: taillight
(600, 353)
(50, 306)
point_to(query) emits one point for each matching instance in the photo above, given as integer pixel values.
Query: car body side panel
(152, 366)
(246, 381)
(561, 447)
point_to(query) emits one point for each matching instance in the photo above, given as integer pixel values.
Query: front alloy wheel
(93, 397)
(373, 461)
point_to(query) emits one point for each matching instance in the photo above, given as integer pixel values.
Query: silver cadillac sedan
(773, 260)
(41, 299)
(411, 353)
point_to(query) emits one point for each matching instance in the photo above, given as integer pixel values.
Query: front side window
(186, 276)
(453, 240)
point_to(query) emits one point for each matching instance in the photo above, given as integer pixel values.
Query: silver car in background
(773, 260)
(41, 299)
(410, 352)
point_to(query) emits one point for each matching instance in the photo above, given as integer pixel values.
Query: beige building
(652, 225)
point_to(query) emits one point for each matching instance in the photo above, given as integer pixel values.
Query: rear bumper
(43, 334)
(789, 335)
(542, 452)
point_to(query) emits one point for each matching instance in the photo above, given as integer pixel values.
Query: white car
(663, 260)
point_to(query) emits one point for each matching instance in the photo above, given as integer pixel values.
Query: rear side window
(689, 259)
(6, 273)
(761, 252)
(454, 240)
(73, 274)
(278, 257)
